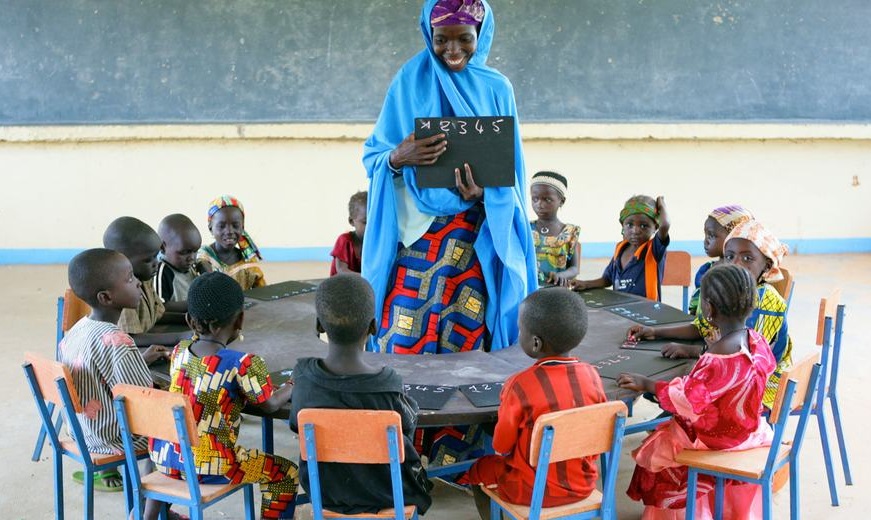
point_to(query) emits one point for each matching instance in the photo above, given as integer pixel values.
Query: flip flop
(100, 478)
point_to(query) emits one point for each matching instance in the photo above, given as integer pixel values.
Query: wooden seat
(570, 434)
(785, 286)
(679, 271)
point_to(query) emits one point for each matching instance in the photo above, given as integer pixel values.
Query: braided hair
(214, 301)
(730, 289)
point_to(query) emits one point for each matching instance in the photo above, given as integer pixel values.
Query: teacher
(449, 266)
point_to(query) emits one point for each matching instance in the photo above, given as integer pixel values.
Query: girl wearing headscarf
(233, 252)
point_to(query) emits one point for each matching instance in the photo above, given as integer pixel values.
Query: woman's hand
(414, 152)
(640, 332)
(468, 190)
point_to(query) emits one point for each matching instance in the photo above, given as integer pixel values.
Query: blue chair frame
(182, 418)
(40, 437)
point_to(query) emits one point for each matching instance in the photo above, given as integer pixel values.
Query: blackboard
(598, 298)
(430, 397)
(280, 290)
(644, 363)
(650, 313)
(165, 61)
(483, 395)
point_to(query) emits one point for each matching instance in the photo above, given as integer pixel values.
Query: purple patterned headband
(457, 12)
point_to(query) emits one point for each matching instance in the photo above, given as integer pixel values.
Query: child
(719, 223)
(233, 252)
(717, 406)
(552, 322)
(753, 247)
(100, 355)
(220, 382)
(140, 244)
(345, 307)
(347, 253)
(180, 240)
(557, 248)
(637, 265)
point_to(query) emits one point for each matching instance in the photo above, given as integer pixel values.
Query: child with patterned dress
(717, 226)
(557, 248)
(752, 246)
(717, 406)
(233, 252)
(180, 240)
(639, 259)
(347, 253)
(552, 322)
(220, 382)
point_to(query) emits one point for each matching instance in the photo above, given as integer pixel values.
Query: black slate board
(277, 291)
(430, 397)
(644, 363)
(650, 313)
(281, 376)
(482, 395)
(598, 298)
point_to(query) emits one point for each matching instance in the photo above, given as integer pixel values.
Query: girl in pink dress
(717, 406)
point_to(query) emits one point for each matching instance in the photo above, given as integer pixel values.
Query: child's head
(104, 278)
(638, 219)
(345, 307)
(180, 240)
(721, 222)
(552, 321)
(227, 225)
(357, 213)
(215, 304)
(754, 247)
(728, 291)
(137, 241)
(548, 193)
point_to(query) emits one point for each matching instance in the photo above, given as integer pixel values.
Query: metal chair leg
(827, 455)
(842, 445)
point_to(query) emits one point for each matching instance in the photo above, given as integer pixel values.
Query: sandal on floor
(100, 480)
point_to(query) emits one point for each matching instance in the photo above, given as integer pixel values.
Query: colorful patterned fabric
(769, 319)
(554, 253)
(730, 216)
(142, 318)
(550, 385)
(767, 243)
(554, 180)
(219, 386)
(246, 243)
(439, 299)
(344, 250)
(639, 206)
(717, 406)
(247, 273)
(642, 275)
(457, 12)
(694, 300)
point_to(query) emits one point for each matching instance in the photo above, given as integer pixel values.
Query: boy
(100, 355)
(552, 322)
(140, 244)
(345, 308)
(179, 242)
(639, 260)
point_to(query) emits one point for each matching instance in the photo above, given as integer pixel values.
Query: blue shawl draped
(504, 245)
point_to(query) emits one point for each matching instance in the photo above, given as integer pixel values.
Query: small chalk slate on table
(482, 395)
(644, 363)
(280, 377)
(598, 298)
(280, 290)
(430, 397)
(650, 313)
(485, 143)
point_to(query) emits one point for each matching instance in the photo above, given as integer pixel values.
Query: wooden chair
(568, 434)
(163, 415)
(353, 436)
(51, 384)
(757, 466)
(679, 271)
(785, 286)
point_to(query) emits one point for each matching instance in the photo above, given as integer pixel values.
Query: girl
(220, 382)
(347, 253)
(753, 247)
(719, 223)
(557, 248)
(717, 406)
(233, 252)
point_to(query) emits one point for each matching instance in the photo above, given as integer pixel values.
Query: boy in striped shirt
(552, 322)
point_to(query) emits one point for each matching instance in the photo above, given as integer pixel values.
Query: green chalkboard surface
(166, 61)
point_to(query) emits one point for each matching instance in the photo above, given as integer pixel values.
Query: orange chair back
(828, 307)
(149, 412)
(578, 432)
(351, 436)
(784, 287)
(678, 269)
(47, 371)
(801, 374)
(74, 309)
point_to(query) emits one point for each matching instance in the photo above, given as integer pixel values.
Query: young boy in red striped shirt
(552, 322)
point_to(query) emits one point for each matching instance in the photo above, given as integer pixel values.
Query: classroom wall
(63, 185)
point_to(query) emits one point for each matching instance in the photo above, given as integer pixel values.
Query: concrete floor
(28, 311)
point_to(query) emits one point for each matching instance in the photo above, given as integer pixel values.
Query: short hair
(214, 300)
(173, 225)
(356, 199)
(730, 289)
(88, 273)
(127, 234)
(556, 315)
(345, 307)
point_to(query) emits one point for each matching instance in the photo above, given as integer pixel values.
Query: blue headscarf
(425, 87)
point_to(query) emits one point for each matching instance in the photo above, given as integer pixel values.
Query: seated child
(749, 245)
(552, 322)
(180, 241)
(347, 253)
(233, 252)
(343, 379)
(140, 244)
(100, 355)
(719, 223)
(557, 248)
(637, 265)
(717, 406)
(220, 382)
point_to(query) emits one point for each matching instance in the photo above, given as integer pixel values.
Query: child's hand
(640, 332)
(155, 353)
(558, 279)
(635, 382)
(578, 285)
(203, 267)
(677, 351)
(468, 189)
(662, 218)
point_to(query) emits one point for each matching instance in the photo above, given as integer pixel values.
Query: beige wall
(63, 185)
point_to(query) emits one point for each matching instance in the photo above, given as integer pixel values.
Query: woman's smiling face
(455, 45)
